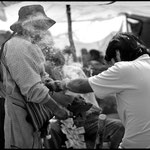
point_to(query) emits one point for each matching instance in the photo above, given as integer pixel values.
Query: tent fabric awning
(91, 21)
(2, 15)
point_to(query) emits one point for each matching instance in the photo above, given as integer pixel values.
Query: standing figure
(23, 73)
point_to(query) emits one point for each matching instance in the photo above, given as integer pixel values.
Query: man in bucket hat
(32, 15)
(25, 62)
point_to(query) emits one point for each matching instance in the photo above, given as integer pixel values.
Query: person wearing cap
(25, 62)
(128, 80)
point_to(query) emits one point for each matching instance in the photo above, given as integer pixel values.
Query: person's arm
(78, 86)
(27, 76)
(58, 111)
(75, 85)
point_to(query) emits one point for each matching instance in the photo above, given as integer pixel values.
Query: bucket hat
(34, 15)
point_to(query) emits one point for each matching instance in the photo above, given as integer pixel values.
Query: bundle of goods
(74, 134)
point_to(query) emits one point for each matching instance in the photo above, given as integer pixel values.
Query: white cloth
(130, 81)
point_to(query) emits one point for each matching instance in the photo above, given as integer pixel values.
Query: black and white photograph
(74, 74)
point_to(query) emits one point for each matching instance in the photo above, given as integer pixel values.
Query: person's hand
(57, 110)
(56, 85)
(79, 106)
(62, 114)
(46, 79)
(53, 86)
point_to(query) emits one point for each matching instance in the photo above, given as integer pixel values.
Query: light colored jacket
(26, 65)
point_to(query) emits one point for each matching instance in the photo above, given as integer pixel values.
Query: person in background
(85, 61)
(96, 62)
(96, 55)
(128, 79)
(85, 57)
(23, 67)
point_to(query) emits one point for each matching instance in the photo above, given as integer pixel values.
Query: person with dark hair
(128, 45)
(128, 80)
(94, 54)
(96, 62)
(23, 78)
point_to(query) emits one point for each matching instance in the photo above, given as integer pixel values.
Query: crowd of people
(70, 91)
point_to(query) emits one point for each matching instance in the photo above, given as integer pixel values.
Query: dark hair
(129, 46)
(95, 54)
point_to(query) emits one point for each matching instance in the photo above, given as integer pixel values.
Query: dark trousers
(114, 132)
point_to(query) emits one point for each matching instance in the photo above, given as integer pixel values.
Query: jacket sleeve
(26, 65)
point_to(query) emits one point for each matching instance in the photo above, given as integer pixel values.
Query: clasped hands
(56, 85)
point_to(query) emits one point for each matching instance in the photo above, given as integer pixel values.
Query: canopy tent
(93, 23)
